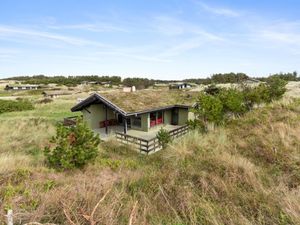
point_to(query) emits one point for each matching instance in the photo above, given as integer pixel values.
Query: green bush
(12, 106)
(233, 101)
(212, 90)
(209, 108)
(273, 89)
(197, 125)
(73, 148)
(163, 137)
(214, 105)
(276, 87)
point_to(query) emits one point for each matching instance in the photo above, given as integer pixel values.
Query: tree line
(218, 105)
(66, 80)
(142, 83)
(222, 78)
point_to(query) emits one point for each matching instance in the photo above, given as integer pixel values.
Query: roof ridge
(105, 99)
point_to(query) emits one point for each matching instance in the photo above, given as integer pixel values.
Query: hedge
(12, 106)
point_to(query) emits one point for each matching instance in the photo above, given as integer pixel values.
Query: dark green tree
(209, 109)
(164, 137)
(73, 147)
(233, 101)
(276, 87)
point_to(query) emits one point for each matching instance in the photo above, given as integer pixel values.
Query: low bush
(45, 101)
(215, 105)
(209, 109)
(74, 147)
(164, 137)
(12, 106)
(276, 87)
(233, 101)
(212, 90)
(197, 125)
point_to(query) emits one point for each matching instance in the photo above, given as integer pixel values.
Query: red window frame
(156, 118)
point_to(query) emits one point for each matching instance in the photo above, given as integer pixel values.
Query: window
(137, 121)
(156, 118)
(159, 119)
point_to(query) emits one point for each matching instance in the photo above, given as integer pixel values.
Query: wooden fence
(70, 121)
(151, 145)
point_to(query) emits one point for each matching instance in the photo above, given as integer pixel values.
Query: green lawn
(56, 110)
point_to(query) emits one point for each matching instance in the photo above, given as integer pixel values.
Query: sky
(159, 39)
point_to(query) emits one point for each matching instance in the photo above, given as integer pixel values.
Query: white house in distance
(180, 86)
(21, 87)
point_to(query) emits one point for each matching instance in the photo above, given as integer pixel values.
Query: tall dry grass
(10, 161)
(24, 135)
(244, 173)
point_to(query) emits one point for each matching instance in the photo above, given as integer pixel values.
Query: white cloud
(99, 27)
(171, 26)
(282, 33)
(182, 36)
(22, 33)
(217, 10)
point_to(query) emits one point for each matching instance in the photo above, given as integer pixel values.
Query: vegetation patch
(73, 147)
(217, 106)
(13, 106)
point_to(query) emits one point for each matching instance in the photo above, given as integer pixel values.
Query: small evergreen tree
(276, 87)
(212, 90)
(197, 125)
(164, 137)
(210, 109)
(233, 101)
(74, 147)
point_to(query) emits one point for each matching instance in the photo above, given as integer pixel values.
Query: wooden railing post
(150, 144)
(10, 217)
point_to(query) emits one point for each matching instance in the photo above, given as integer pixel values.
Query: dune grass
(244, 173)
(55, 110)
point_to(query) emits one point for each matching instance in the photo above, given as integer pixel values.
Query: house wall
(183, 116)
(145, 123)
(167, 117)
(97, 114)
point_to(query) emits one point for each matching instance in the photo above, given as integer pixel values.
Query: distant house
(137, 115)
(180, 86)
(55, 94)
(103, 83)
(129, 89)
(251, 81)
(21, 87)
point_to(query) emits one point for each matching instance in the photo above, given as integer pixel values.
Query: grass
(244, 173)
(149, 99)
(56, 110)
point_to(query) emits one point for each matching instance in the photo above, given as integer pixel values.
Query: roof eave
(157, 109)
(96, 96)
(93, 98)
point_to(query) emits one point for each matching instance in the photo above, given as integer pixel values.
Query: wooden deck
(149, 145)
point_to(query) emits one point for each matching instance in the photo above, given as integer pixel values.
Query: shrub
(163, 137)
(45, 101)
(74, 147)
(212, 90)
(210, 109)
(213, 105)
(233, 101)
(197, 125)
(12, 106)
(276, 87)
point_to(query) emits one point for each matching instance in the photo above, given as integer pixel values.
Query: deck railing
(151, 145)
(70, 121)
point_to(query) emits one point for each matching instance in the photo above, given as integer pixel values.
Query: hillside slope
(245, 173)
